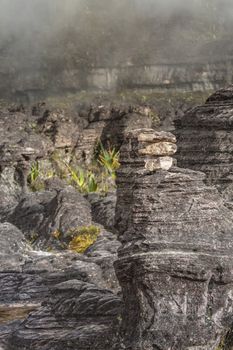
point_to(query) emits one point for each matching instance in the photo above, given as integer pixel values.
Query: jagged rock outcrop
(77, 316)
(205, 140)
(175, 266)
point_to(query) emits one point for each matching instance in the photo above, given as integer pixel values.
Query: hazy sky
(18, 14)
(32, 24)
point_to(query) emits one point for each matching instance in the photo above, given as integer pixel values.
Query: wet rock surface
(175, 265)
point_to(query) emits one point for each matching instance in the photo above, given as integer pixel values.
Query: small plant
(84, 181)
(38, 175)
(34, 172)
(109, 159)
(82, 238)
(34, 178)
(77, 177)
(92, 183)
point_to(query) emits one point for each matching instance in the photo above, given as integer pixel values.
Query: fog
(102, 32)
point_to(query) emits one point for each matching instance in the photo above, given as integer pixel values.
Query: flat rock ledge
(175, 266)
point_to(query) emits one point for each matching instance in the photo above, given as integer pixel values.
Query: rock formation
(175, 266)
(33, 261)
(77, 316)
(205, 140)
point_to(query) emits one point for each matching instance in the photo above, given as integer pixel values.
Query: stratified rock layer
(176, 265)
(205, 140)
(77, 316)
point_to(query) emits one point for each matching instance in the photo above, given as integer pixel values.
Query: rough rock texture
(205, 140)
(86, 308)
(77, 316)
(176, 265)
(103, 209)
(42, 213)
(108, 125)
(26, 280)
(12, 248)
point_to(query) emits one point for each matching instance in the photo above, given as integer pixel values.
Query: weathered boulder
(175, 266)
(40, 214)
(77, 316)
(205, 140)
(46, 218)
(27, 277)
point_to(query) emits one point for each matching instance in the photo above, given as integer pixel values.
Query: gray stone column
(176, 263)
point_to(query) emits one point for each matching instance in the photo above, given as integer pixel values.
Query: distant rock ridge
(205, 140)
(175, 266)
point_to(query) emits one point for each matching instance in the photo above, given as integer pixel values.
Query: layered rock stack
(176, 264)
(205, 140)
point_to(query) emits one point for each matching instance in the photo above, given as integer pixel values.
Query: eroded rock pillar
(176, 263)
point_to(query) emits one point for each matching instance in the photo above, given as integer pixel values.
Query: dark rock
(21, 288)
(40, 214)
(205, 140)
(77, 316)
(5, 331)
(175, 266)
(12, 248)
(103, 209)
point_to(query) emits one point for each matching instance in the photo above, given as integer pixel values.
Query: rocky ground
(75, 295)
(170, 241)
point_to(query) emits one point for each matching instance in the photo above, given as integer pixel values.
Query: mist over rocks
(48, 47)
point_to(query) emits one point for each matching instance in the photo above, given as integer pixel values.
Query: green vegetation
(82, 238)
(100, 175)
(97, 177)
(34, 180)
(78, 239)
(37, 176)
(84, 181)
(34, 172)
(109, 159)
